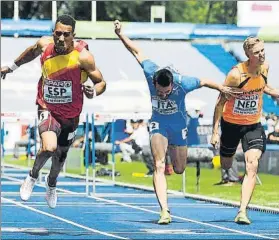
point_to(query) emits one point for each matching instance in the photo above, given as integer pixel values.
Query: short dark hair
(66, 20)
(163, 77)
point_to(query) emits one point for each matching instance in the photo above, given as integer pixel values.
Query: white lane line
(177, 217)
(62, 219)
(174, 217)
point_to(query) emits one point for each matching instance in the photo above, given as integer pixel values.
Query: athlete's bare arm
(28, 55)
(225, 89)
(87, 63)
(271, 91)
(232, 80)
(129, 44)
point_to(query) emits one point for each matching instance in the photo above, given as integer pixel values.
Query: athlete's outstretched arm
(271, 91)
(230, 86)
(87, 63)
(232, 80)
(129, 44)
(27, 56)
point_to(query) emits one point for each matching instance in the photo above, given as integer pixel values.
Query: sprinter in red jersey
(66, 64)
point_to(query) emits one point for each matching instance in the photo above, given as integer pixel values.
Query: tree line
(192, 11)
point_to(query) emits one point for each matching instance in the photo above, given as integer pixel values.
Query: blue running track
(124, 213)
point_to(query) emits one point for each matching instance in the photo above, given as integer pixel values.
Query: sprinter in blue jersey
(168, 131)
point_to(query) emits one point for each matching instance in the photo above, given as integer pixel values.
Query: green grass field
(265, 194)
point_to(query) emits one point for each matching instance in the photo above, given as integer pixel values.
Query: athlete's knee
(49, 146)
(63, 156)
(252, 164)
(61, 153)
(160, 165)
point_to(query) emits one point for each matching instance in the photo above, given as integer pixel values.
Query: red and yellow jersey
(246, 109)
(60, 87)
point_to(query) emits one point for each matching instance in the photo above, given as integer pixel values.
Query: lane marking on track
(151, 211)
(62, 219)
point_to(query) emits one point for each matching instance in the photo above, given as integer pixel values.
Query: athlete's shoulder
(44, 41)
(149, 66)
(233, 77)
(80, 45)
(86, 57)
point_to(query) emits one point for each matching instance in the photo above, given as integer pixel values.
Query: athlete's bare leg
(178, 155)
(48, 147)
(159, 145)
(252, 158)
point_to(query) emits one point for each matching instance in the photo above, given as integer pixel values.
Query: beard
(60, 49)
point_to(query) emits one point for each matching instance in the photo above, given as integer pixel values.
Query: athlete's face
(163, 92)
(257, 53)
(63, 38)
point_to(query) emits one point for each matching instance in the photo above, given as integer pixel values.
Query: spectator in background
(273, 138)
(264, 122)
(135, 142)
(25, 140)
(271, 122)
(101, 156)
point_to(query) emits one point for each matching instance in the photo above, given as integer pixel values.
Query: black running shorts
(251, 136)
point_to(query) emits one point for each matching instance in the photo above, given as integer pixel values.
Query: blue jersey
(172, 109)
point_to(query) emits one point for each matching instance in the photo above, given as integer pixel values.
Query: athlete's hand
(117, 27)
(230, 91)
(89, 91)
(4, 71)
(215, 138)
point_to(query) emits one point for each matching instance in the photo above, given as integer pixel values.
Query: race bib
(58, 91)
(153, 126)
(247, 105)
(184, 133)
(71, 135)
(43, 116)
(164, 106)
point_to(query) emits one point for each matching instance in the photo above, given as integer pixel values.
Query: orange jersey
(60, 88)
(246, 109)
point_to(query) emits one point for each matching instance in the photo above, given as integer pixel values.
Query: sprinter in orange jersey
(66, 64)
(240, 118)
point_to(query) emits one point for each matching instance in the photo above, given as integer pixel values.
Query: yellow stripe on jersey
(60, 62)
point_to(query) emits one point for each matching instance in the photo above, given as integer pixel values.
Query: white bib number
(247, 106)
(153, 126)
(58, 91)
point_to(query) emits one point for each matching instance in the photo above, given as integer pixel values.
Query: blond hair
(249, 43)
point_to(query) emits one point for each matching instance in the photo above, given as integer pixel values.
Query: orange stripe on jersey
(246, 109)
(60, 62)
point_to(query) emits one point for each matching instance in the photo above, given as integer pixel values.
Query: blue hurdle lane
(113, 150)
(93, 153)
(87, 153)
